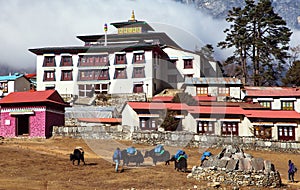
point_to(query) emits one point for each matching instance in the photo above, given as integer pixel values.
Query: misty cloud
(42, 23)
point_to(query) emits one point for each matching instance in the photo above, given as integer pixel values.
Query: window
(188, 63)
(148, 124)
(263, 132)
(101, 60)
(143, 123)
(200, 91)
(286, 133)
(66, 61)
(266, 104)
(85, 90)
(94, 60)
(49, 61)
(153, 124)
(172, 78)
(287, 105)
(223, 91)
(102, 74)
(49, 76)
(120, 73)
(230, 128)
(86, 75)
(66, 75)
(101, 88)
(138, 72)
(206, 127)
(120, 59)
(4, 87)
(138, 88)
(139, 58)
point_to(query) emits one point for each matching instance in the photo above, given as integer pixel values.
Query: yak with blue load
(132, 155)
(158, 154)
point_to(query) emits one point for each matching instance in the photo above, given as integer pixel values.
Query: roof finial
(132, 16)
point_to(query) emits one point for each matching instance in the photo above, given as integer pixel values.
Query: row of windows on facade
(87, 75)
(229, 128)
(285, 105)
(101, 60)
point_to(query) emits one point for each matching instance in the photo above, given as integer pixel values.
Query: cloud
(41, 23)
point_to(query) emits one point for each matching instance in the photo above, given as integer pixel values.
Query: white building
(135, 60)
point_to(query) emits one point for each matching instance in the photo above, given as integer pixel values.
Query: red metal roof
(205, 98)
(216, 110)
(274, 114)
(158, 106)
(162, 98)
(33, 97)
(272, 91)
(30, 75)
(101, 120)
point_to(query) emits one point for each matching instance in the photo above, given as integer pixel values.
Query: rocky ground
(44, 164)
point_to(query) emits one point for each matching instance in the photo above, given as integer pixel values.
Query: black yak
(78, 154)
(136, 158)
(180, 164)
(158, 157)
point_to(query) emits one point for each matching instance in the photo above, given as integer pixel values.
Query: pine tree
(292, 76)
(260, 38)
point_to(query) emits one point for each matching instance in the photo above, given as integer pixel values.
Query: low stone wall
(176, 138)
(195, 140)
(93, 132)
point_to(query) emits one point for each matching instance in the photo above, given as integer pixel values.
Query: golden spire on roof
(132, 16)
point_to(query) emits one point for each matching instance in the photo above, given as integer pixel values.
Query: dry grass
(44, 164)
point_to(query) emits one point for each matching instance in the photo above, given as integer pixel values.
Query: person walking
(291, 172)
(117, 158)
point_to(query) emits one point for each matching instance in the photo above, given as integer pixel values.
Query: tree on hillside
(260, 38)
(292, 75)
(170, 123)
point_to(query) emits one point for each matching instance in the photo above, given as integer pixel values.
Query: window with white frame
(200, 91)
(49, 75)
(286, 133)
(287, 105)
(230, 128)
(266, 104)
(223, 91)
(49, 61)
(206, 127)
(66, 75)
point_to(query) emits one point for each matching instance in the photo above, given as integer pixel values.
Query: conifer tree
(292, 76)
(260, 38)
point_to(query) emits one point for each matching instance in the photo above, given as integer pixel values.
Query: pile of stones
(232, 166)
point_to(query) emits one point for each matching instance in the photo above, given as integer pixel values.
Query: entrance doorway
(22, 125)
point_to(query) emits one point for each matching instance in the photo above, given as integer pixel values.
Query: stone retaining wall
(236, 178)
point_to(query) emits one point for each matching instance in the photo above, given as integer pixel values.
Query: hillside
(288, 9)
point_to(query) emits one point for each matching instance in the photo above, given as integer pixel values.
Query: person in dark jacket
(291, 172)
(117, 158)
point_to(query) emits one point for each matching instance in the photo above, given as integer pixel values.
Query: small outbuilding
(31, 113)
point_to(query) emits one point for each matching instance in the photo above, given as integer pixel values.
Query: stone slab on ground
(232, 165)
(245, 164)
(257, 164)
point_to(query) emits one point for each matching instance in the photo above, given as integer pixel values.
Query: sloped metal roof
(213, 81)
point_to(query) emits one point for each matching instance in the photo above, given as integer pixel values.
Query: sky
(26, 24)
